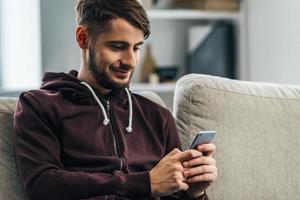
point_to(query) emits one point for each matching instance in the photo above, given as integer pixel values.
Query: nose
(129, 58)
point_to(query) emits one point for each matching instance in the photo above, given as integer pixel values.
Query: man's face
(114, 55)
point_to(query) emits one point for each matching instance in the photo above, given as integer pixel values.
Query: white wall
(20, 44)
(59, 48)
(274, 40)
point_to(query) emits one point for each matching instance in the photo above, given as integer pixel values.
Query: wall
(274, 41)
(20, 44)
(59, 50)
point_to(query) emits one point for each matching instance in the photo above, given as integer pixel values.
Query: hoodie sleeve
(42, 174)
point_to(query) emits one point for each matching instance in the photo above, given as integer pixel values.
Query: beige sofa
(258, 136)
(10, 188)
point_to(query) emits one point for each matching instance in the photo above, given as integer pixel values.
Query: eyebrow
(122, 42)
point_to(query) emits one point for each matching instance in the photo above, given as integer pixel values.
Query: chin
(122, 84)
(119, 84)
(121, 81)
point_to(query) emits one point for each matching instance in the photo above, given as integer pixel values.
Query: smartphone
(203, 137)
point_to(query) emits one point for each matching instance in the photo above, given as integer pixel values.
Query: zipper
(117, 152)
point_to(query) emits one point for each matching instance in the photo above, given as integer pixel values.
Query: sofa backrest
(153, 97)
(258, 134)
(10, 187)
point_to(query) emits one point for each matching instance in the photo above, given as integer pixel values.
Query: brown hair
(97, 14)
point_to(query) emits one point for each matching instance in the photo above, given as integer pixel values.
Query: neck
(89, 79)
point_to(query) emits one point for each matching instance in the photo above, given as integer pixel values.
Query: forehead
(121, 30)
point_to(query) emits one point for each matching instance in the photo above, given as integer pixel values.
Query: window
(20, 44)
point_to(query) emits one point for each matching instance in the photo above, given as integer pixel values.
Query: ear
(82, 36)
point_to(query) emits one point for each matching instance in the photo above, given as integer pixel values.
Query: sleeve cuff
(185, 196)
(137, 185)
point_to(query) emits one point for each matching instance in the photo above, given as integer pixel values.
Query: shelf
(188, 14)
(159, 88)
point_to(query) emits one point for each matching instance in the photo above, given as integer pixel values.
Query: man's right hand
(166, 177)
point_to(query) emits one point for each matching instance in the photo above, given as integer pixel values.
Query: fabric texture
(10, 187)
(258, 134)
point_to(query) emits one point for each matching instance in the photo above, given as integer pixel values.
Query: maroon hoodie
(63, 150)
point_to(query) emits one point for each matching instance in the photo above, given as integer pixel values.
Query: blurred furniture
(170, 29)
(258, 134)
(10, 187)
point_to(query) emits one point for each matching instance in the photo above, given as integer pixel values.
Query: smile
(121, 73)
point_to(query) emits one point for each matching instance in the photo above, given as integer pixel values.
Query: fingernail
(185, 164)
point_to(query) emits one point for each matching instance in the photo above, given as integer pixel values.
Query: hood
(70, 87)
(74, 89)
(65, 83)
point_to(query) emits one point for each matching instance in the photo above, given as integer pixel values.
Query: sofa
(10, 188)
(258, 136)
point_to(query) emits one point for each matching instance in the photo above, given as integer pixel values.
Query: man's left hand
(200, 172)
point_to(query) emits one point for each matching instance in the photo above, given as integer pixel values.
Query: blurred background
(242, 39)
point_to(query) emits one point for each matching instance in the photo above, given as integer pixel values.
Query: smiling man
(84, 135)
(116, 51)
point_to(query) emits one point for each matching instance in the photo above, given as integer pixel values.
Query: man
(84, 135)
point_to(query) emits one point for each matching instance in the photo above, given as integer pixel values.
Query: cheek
(105, 58)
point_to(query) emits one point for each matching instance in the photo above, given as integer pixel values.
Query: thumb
(187, 155)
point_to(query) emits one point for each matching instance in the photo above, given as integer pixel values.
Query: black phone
(203, 137)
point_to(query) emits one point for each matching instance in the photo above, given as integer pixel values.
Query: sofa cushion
(10, 187)
(258, 134)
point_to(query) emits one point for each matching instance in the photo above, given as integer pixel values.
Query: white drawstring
(129, 127)
(106, 120)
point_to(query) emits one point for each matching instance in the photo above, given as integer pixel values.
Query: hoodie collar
(71, 86)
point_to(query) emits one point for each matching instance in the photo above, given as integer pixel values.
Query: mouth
(121, 73)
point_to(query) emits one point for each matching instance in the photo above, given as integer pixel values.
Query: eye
(137, 48)
(117, 47)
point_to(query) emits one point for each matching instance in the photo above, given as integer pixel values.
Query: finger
(184, 186)
(173, 152)
(208, 177)
(208, 149)
(180, 183)
(200, 170)
(180, 186)
(187, 155)
(203, 160)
